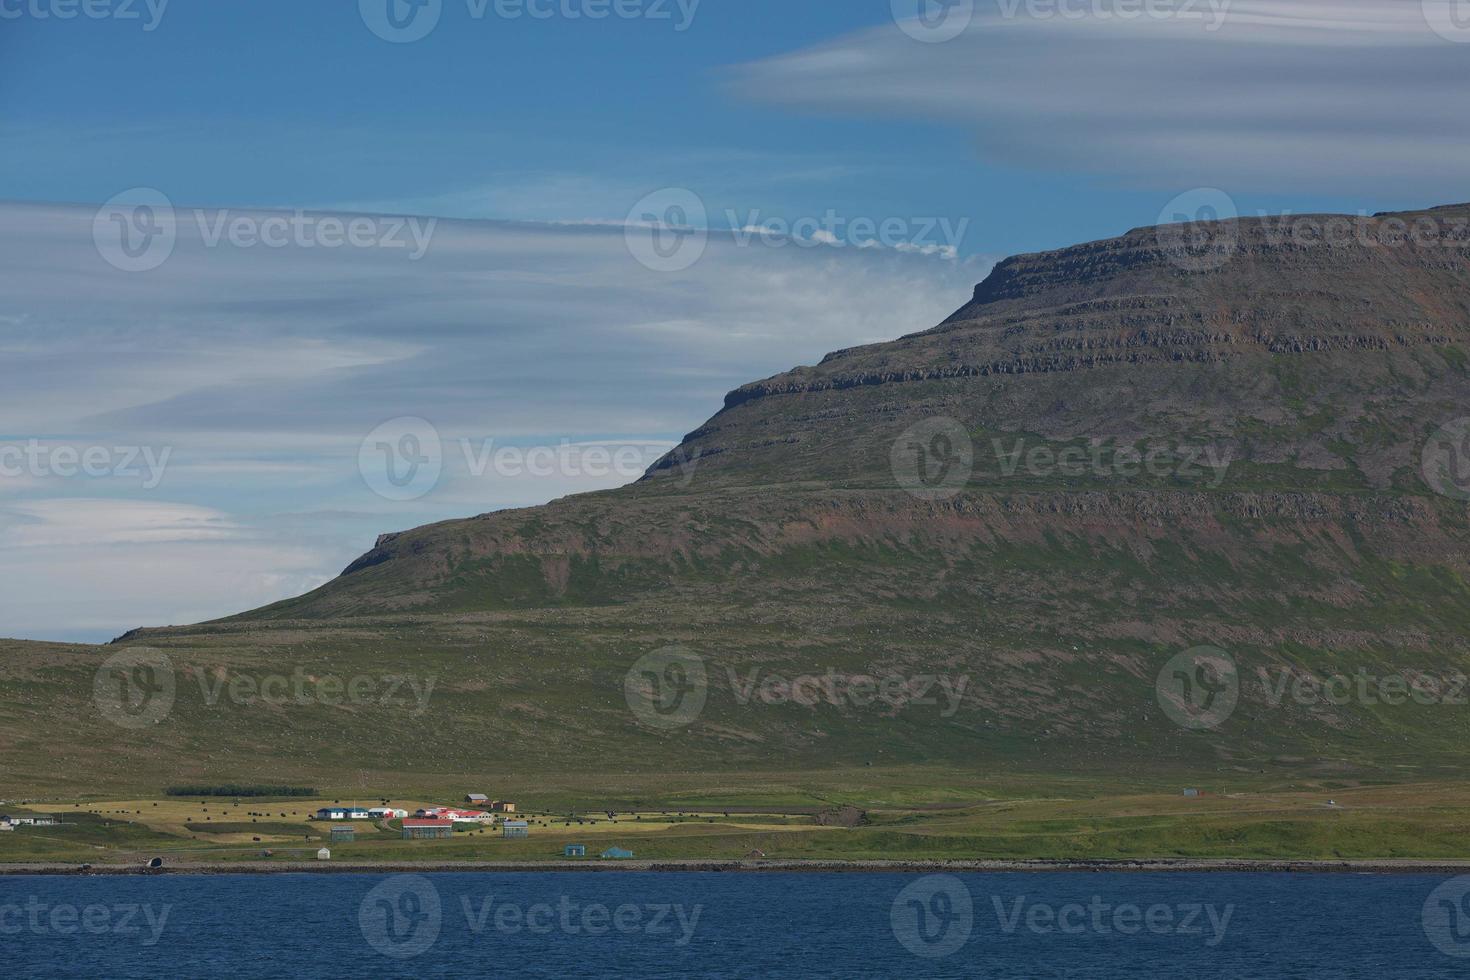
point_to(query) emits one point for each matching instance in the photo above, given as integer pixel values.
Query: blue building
(616, 854)
(575, 851)
(516, 828)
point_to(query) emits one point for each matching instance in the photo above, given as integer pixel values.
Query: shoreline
(1114, 866)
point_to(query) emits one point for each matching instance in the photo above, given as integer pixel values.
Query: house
(387, 813)
(616, 854)
(32, 821)
(416, 829)
(575, 851)
(477, 799)
(450, 813)
(342, 813)
(344, 835)
(516, 828)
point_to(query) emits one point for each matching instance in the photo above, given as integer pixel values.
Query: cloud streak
(261, 371)
(1310, 94)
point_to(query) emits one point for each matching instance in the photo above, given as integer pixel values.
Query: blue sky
(264, 371)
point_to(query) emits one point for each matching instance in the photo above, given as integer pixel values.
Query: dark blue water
(737, 925)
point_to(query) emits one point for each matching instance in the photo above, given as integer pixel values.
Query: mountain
(1239, 435)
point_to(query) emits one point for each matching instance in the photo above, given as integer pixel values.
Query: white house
(342, 813)
(386, 813)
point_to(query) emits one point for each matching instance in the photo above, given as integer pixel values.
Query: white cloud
(262, 371)
(1312, 94)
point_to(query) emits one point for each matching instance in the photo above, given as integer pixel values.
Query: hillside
(970, 501)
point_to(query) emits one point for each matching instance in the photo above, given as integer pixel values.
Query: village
(439, 823)
(226, 825)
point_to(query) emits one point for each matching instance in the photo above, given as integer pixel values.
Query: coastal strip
(1146, 866)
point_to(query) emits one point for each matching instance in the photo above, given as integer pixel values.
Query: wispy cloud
(1250, 94)
(262, 371)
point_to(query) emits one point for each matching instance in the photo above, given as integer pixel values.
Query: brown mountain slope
(1315, 371)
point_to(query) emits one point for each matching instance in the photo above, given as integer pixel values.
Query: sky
(231, 361)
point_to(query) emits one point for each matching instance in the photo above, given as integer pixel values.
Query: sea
(764, 925)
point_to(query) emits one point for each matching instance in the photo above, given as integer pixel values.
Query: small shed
(616, 854)
(1191, 793)
(427, 829)
(516, 828)
(575, 851)
(344, 835)
(324, 855)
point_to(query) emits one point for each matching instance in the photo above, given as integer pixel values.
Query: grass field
(1409, 821)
